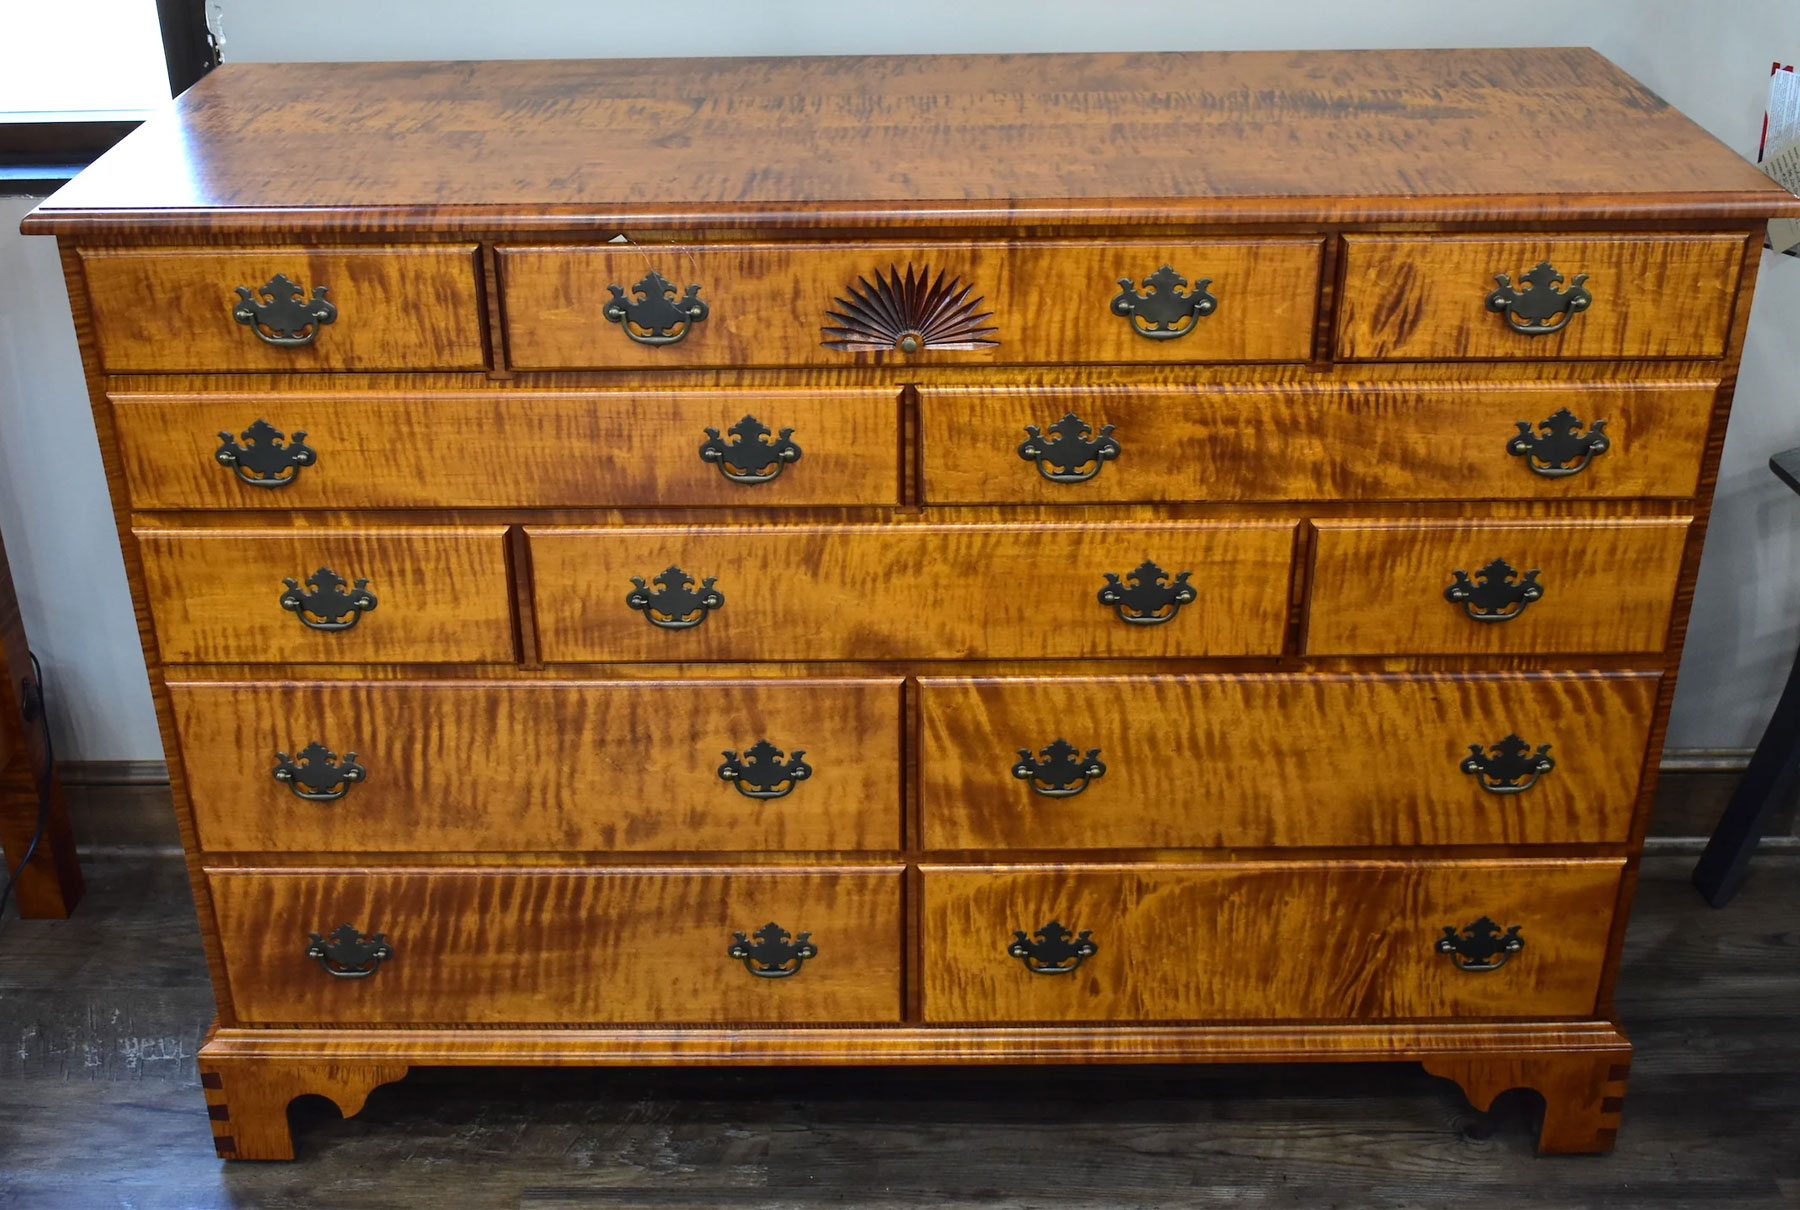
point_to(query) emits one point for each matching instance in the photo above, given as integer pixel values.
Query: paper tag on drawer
(1779, 155)
(1784, 168)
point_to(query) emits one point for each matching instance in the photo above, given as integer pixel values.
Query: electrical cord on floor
(32, 708)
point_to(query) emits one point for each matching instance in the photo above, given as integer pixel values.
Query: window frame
(37, 157)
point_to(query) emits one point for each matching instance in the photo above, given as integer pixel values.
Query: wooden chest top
(1017, 142)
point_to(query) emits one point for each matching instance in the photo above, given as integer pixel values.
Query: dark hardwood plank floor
(100, 1016)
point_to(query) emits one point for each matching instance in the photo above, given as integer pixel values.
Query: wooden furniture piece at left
(1023, 559)
(49, 884)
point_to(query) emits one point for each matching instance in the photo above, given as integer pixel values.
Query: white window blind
(80, 60)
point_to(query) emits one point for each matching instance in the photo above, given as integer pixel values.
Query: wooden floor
(100, 1016)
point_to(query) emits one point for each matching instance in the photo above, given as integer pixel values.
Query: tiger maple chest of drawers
(992, 560)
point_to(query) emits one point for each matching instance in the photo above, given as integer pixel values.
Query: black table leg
(1768, 780)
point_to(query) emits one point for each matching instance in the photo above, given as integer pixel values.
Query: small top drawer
(1427, 587)
(299, 309)
(1135, 302)
(427, 595)
(1530, 296)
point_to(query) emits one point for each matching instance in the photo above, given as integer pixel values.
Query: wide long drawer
(438, 594)
(1281, 760)
(625, 766)
(914, 591)
(286, 308)
(1418, 587)
(527, 449)
(985, 302)
(561, 946)
(1536, 296)
(1266, 941)
(1356, 441)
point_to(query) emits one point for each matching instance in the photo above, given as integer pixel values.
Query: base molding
(250, 1075)
(888, 1045)
(85, 773)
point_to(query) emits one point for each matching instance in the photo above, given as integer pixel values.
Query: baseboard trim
(114, 772)
(1679, 846)
(1706, 760)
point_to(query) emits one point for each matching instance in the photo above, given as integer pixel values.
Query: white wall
(55, 517)
(256, 31)
(1707, 58)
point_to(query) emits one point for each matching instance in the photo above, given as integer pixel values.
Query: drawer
(1434, 298)
(436, 595)
(621, 766)
(1529, 588)
(1155, 762)
(1348, 441)
(561, 946)
(1265, 941)
(517, 450)
(978, 303)
(910, 591)
(391, 308)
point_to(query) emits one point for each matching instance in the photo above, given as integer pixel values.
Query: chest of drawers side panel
(1682, 606)
(81, 312)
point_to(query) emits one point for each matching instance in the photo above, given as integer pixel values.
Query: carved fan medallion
(909, 313)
